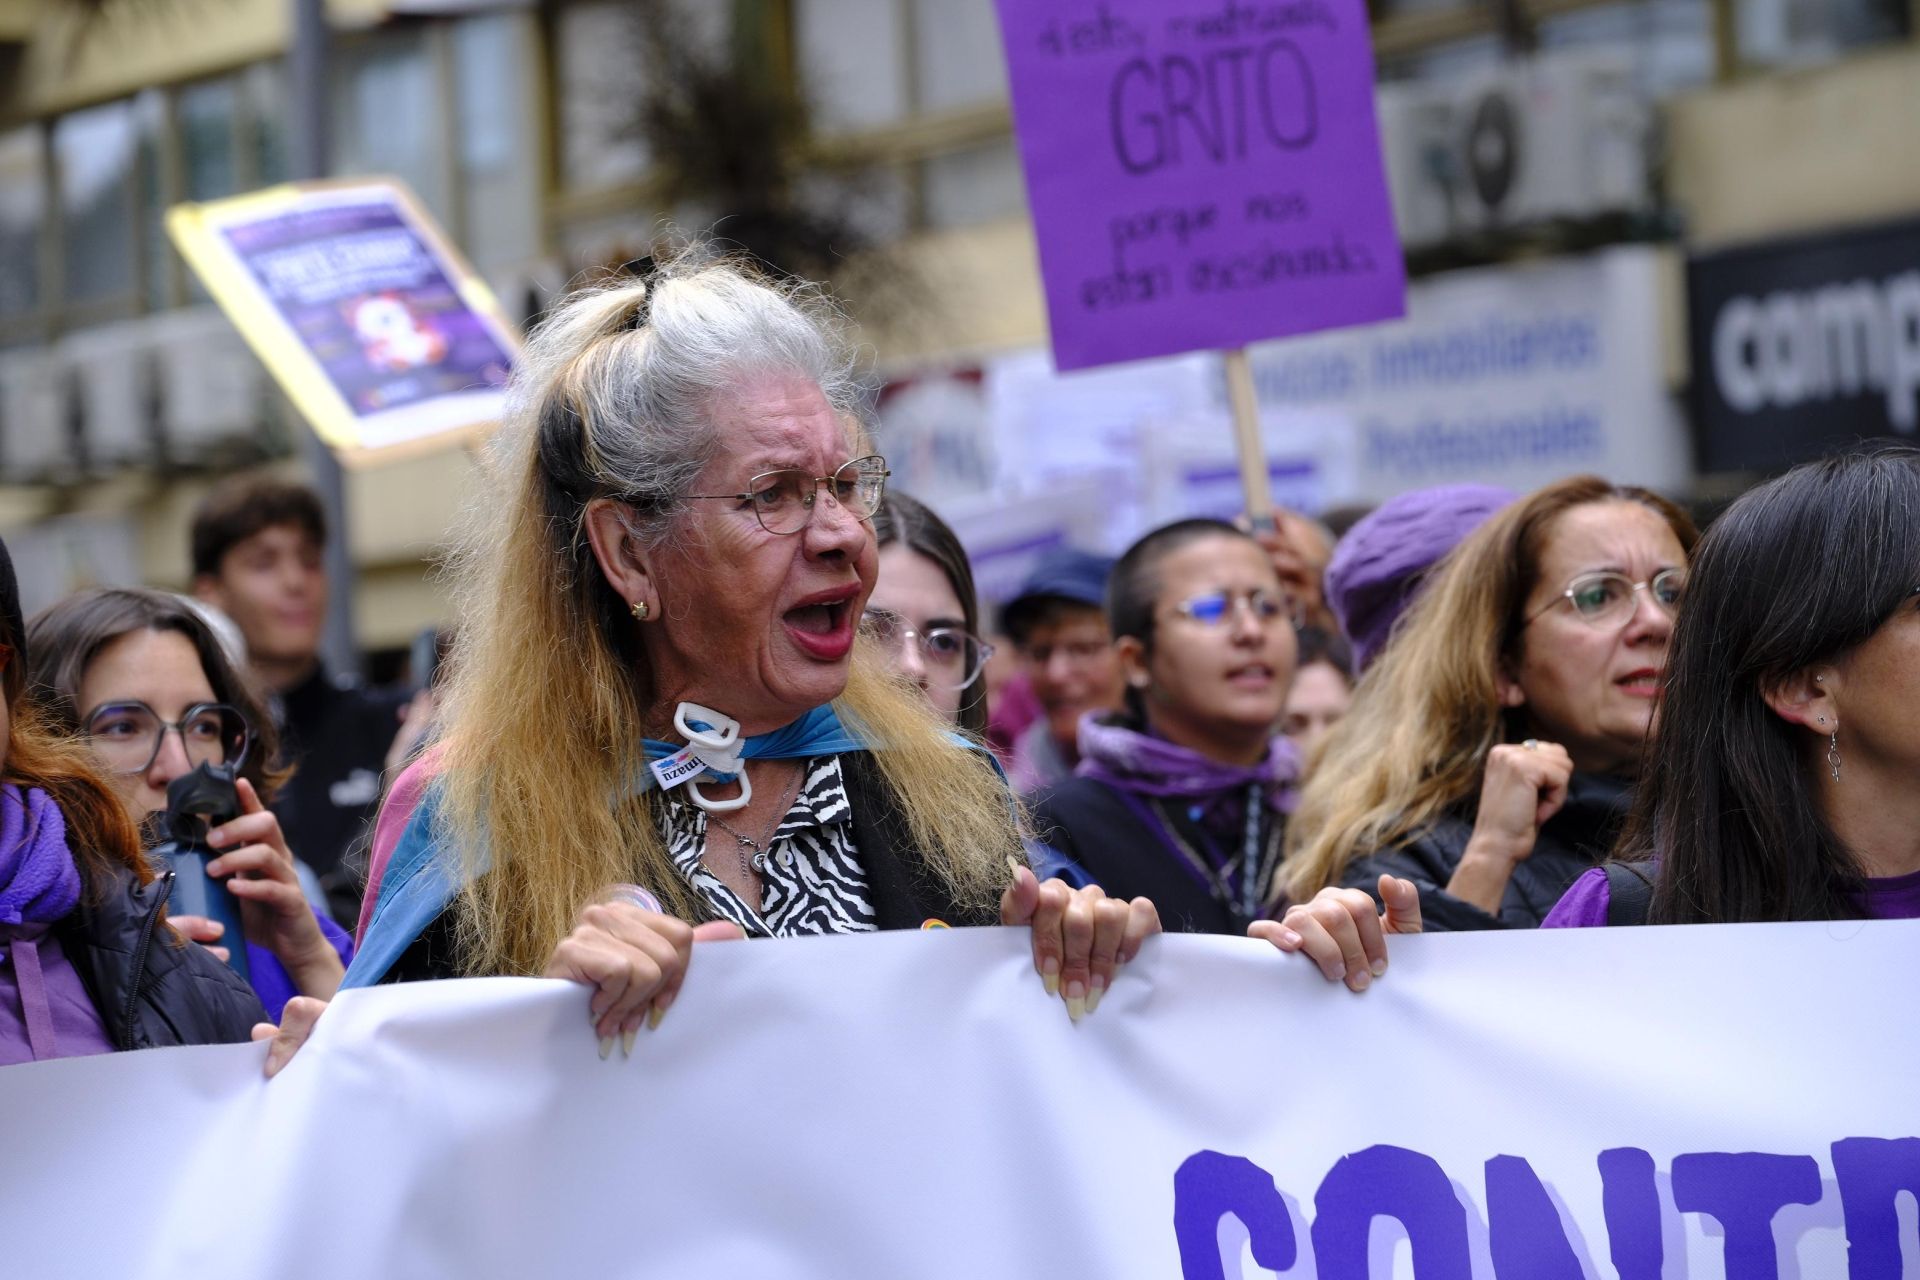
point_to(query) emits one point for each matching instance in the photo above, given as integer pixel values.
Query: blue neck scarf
(817, 733)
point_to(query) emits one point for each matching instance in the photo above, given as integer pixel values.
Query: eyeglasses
(783, 500)
(127, 735)
(953, 657)
(1609, 599)
(1217, 608)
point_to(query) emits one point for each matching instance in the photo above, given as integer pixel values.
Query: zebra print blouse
(811, 880)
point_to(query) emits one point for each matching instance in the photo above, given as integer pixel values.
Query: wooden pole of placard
(1255, 483)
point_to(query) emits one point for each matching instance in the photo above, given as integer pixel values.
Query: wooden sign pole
(1255, 483)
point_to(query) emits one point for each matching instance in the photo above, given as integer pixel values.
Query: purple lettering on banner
(1871, 1172)
(1208, 1186)
(1201, 177)
(1630, 1199)
(1524, 1232)
(1396, 1183)
(1743, 1191)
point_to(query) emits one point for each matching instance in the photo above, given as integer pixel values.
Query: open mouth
(1255, 675)
(822, 624)
(1644, 683)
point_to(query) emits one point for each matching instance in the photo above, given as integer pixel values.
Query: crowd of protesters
(713, 680)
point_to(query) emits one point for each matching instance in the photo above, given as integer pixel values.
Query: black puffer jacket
(1575, 839)
(149, 987)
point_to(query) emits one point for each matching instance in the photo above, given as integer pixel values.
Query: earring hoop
(640, 610)
(1833, 754)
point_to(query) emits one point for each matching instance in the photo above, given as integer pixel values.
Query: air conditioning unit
(213, 390)
(1559, 136)
(35, 437)
(112, 370)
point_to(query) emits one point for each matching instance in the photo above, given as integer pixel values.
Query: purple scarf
(39, 885)
(1142, 769)
(1128, 760)
(38, 882)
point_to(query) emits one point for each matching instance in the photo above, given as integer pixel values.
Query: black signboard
(1803, 346)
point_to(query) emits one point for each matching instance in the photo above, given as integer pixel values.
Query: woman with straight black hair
(1781, 785)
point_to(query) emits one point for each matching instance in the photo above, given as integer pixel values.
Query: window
(207, 114)
(387, 114)
(94, 151)
(599, 69)
(957, 57)
(849, 55)
(500, 183)
(22, 200)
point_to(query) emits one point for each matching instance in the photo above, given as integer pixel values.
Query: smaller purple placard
(1202, 173)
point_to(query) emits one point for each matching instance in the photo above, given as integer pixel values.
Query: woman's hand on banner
(296, 1024)
(1081, 937)
(1342, 931)
(635, 960)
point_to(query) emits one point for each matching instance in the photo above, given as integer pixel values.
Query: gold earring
(640, 610)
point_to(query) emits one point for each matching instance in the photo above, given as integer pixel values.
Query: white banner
(1645, 1103)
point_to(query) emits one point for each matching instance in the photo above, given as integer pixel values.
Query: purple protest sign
(1202, 173)
(371, 301)
(372, 323)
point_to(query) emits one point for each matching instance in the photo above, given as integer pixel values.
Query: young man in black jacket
(257, 545)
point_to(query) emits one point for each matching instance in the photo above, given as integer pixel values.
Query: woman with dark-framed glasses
(1781, 786)
(1184, 795)
(1488, 754)
(925, 613)
(141, 677)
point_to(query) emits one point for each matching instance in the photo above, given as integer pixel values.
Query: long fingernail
(626, 1043)
(1095, 994)
(1379, 967)
(606, 1047)
(654, 1015)
(1050, 975)
(1076, 1001)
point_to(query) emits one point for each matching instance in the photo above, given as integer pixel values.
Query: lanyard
(1217, 879)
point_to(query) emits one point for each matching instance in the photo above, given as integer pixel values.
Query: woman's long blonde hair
(1414, 742)
(549, 692)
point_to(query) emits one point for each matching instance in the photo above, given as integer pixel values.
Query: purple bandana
(1129, 760)
(38, 882)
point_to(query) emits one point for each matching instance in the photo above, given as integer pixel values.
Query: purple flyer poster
(1201, 174)
(372, 323)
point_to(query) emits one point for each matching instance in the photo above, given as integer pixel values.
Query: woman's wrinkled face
(758, 625)
(1224, 682)
(1593, 688)
(161, 669)
(916, 589)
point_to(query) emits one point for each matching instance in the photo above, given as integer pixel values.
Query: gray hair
(618, 385)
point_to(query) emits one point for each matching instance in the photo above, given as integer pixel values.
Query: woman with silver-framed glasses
(142, 678)
(1184, 795)
(661, 723)
(925, 613)
(1487, 756)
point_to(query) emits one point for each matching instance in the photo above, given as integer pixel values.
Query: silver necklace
(753, 855)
